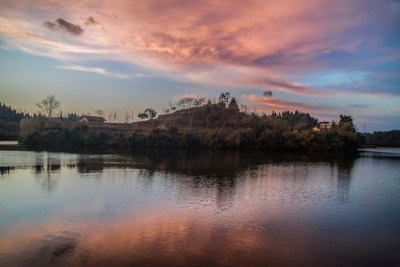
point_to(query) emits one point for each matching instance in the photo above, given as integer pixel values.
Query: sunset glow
(322, 57)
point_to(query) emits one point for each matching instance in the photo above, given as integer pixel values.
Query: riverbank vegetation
(202, 125)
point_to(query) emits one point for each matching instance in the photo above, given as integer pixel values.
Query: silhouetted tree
(49, 105)
(233, 105)
(127, 117)
(143, 116)
(151, 113)
(99, 112)
(199, 101)
(115, 116)
(344, 119)
(346, 124)
(223, 99)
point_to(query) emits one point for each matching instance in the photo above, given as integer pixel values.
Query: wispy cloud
(286, 85)
(94, 70)
(362, 106)
(274, 103)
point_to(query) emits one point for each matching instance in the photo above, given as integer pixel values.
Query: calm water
(204, 209)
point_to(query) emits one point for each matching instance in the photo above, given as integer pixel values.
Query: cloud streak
(93, 70)
(274, 103)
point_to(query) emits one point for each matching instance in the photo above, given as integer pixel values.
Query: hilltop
(217, 116)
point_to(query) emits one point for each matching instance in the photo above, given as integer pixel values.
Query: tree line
(385, 138)
(9, 122)
(277, 137)
(220, 125)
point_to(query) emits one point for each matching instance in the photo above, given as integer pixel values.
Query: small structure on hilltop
(323, 126)
(91, 119)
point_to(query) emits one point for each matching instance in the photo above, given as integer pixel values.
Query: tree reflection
(222, 171)
(345, 166)
(88, 165)
(45, 168)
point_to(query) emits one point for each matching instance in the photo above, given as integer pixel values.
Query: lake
(180, 208)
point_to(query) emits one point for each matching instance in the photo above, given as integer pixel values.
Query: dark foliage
(9, 122)
(197, 125)
(388, 138)
(253, 132)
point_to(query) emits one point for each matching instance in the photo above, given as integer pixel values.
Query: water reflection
(5, 169)
(345, 167)
(85, 165)
(222, 171)
(195, 170)
(55, 248)
(199, 208)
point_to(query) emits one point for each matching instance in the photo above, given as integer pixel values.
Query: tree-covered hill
(216, 116)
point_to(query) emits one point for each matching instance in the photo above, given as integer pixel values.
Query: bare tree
(109, 117)
(49, 105)
(115, 116)
(127, 117)
(172, 108)
(199, 101)
(244, 107)
(99, 112)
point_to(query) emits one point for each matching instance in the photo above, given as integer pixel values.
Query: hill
(216, 116)
(208, 126)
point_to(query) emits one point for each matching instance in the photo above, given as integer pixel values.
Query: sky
(318, 56)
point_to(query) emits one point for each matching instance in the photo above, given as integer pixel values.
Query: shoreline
(9, 143)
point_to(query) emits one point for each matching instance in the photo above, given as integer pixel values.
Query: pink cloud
(274, 40)
(287, 86)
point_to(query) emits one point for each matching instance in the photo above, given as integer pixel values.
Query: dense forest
(388, 138)
(10, 122)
